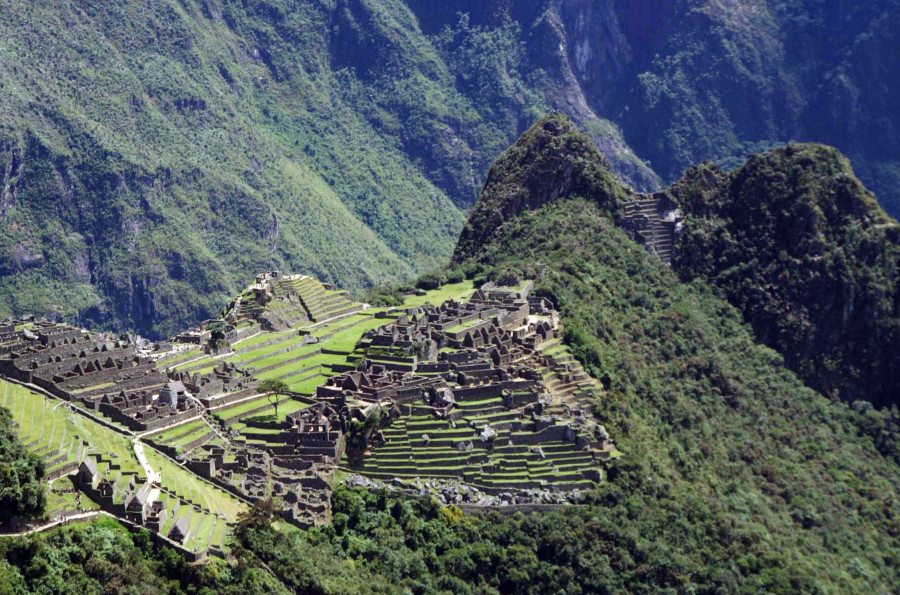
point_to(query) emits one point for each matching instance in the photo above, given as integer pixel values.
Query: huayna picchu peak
(792, 238)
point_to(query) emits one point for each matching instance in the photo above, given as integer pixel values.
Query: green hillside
(797, 243)
(152, 155)
(736, 477)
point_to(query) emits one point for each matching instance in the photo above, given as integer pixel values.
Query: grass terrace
(191, 488)
(498, 464)
(68, 503)
(51, 429)
(454, 291)
(284, 404)
(182, 435)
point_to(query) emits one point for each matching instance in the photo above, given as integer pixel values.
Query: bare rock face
(571, 41)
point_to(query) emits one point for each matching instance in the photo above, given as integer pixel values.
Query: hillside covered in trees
(797, 243)
(152, 155)
(735, 475)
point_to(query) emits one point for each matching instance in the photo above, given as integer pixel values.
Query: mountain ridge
(734, 474)
(795, 241)
(230, 137)
(791, 238)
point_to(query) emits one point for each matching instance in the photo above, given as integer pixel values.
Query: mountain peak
(553, 159)
(798, 243)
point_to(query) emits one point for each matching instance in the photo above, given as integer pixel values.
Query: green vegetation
(274, 387)
(142, 182)
(191, 488)
(798, 244)
(339, 141)
(552, 159)
(21, 472)
(53, 431)
(736, 476)
(104, 557)
(718, 81)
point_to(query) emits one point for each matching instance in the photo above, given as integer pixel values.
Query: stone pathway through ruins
(152, 476)
(204, 415)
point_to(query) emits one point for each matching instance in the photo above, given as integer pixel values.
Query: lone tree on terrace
(273, 388)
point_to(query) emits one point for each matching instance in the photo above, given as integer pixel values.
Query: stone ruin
(471, 378)
(653, 220)
(437, 361)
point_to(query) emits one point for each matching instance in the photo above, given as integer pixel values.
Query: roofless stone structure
(475, 400)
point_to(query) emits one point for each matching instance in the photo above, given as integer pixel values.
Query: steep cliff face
(694, 80)
(799, 245)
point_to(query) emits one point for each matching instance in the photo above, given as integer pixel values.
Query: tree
(273, 388)
(217, 335)
(21, 472)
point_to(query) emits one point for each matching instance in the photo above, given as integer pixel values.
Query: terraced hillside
(241, 440)
(301, 357)
(65, 439)
(507, 409)
(474, 386)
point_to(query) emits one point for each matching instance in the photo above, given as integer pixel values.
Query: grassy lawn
(55, 426)
(242, 408)
(205, 525)
(284, 408)
(96, 387)
(464, 326)
(193, 363)
(192, 489)
(342, 323)
(188, 438)
(345, 340)
(59, 502)
(293, 353)
(169, 360)
(218, 534)
(177, 431)
(261, 338)
(454, 291)
(309, 385)
(294, 344)
(322, 359)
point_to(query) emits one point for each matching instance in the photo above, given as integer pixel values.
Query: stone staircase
(653, 221)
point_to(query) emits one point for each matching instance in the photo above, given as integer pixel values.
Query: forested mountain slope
(695, 80)
(792, 238)
(736, 477)
(796, 242)
(152, 154)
